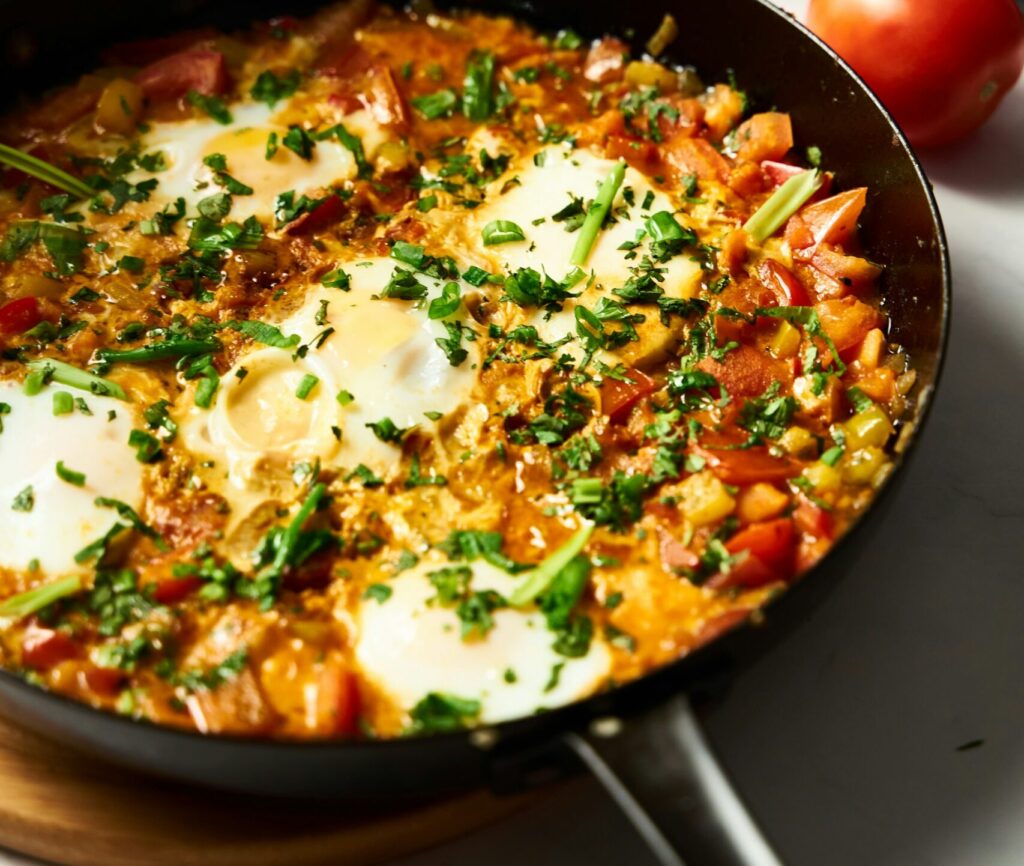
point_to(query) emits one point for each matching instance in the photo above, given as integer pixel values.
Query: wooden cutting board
(61, 806)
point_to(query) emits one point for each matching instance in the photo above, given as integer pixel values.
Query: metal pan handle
(661, 771)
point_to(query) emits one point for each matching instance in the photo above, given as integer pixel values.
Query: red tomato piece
(200, 69)
(619, 397)
(175, 589)
(328, 212)
(764, 136)
(19, 315)
(847, 321)
(813, 520)
(747, 466)
(102, 681)
(337, 701)
(834, 220)
(746, 371)
(43, 648)
(789, 290)
(770, 548)
(940, 68)
(696, 156)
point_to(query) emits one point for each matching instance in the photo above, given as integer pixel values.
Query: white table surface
(843, 739)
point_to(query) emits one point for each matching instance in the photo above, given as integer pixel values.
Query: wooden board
(61, 806)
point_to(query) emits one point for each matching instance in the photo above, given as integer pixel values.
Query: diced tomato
(144, 51)
(365, 82)
(746, 179)
(733, 251)
(19, 315)
(748, 465)
(619, 397)
(200, 69)
(746, 371)
(606, 60)
(847, 321)
(716, 626)
(770, 549)
(325, 214)
(812, 519)
(337, 700)
(42, 648)
(695, 156)
(852, 272)
(65, 107)
(810, 552)
(102, 681)
(834, 220)
(764, 136)
(174, 589)
(789, 290)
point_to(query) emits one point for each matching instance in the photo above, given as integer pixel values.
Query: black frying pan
(641, 738)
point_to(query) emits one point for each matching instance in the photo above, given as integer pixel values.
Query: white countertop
(844, 739)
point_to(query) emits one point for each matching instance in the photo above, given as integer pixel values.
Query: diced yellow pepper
(704, 499)
(869, 427)
(760, 502)
(119, 107)
(786, 341)
(798, 441)
(823, 478)
(862, 465)
(644, 73)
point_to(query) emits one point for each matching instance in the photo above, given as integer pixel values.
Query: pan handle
(661, 771)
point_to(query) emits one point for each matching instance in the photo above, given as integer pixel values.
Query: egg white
(243, 142)
(382, 352)
(409, 645)
(64, 518)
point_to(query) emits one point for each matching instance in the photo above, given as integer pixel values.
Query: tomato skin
(771, 551)
(780, 280)
(42, 648)
(172, 77)
(941, 69)
(618, 398)
(747, 466)
(328, 212)
(175, 589)
(19, 315)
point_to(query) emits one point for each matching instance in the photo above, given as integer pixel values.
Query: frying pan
(641, 739)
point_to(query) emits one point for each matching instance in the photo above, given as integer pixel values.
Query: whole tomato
(940, 67)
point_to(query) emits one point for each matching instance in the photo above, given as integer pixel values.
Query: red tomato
(940, 68)
(45, 647)
(102, 681)
(337, 701)
(770, 547)
(175, 589)
(618, 397)
(328, 212)
(813, 519)
(18, 316)
(789, 289)
(172, 77)
(714, 628)
(747, 466)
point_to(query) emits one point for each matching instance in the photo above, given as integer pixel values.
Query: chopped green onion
(502, 232)
(306, 386)
(49, 369)
(26, 603)
(538, 580)
(478, 86)
(446, 303)
(596, 214)
(290, 537)
(63, 403)
(42, 170)
(158, 351)
(345, 397)
(435, 105)
(663, 226)
(782, 204)
(69, 475)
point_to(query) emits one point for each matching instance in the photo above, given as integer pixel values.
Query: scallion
(26, 603)
(45, 370)
(44, 171)
(502, 232)
(536, 581)
(596, 214)
(782, 204)
(306, 386)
